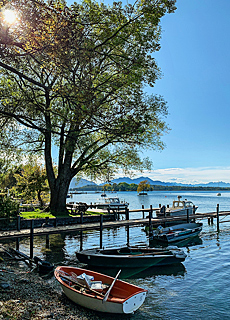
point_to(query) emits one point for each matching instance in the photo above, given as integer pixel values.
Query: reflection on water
(138, 273)
(182, 243)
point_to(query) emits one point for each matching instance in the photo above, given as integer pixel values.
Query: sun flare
(10, 16)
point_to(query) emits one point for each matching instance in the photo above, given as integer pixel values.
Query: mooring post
(164, 211)
(187, 215)
(18, 222)
(81, 240)
(81, 218)
(47, 241)
(193, 212)
(143, 213)
(209, 221)
(101, 228)
(17, 243)
(150, 220)
(127, 228)
(31, 239)
(127, 213)
(217, 217)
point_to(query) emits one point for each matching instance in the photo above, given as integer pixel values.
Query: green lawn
(39, 214)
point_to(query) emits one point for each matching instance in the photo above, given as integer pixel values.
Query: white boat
(99, 292)
(113, 203)
(218, 194)
(179, 207)
(177, 232)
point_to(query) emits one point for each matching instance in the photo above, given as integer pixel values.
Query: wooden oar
(111, 286)
(66, 276)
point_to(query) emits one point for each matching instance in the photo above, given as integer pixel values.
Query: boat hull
(181, 212)
(93, 257)
(132, 297)
(178, 233)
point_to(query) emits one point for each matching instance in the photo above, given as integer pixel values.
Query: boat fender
(179, 254)
(173, 248)
(159, 229)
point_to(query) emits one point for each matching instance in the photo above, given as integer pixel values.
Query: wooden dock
(110, 224)
(80, 227)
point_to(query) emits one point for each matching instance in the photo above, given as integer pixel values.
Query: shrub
(8, 207)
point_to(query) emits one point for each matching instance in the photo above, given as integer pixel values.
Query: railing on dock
(149, 221)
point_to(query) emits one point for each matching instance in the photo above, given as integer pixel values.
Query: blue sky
(195, 63)
(194, 59)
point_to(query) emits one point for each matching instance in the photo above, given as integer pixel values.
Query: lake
(197, 289)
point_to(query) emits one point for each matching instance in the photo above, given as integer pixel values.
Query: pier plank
(108, 224)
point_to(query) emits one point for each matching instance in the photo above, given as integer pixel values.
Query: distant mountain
(138, 180)
(81, 183)
(220, 184)
(84, 182)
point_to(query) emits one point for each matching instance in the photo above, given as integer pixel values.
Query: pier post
(193, 212)
(18, 222)
(127, 228)
(81, 218)
(150, 220)
(127, 213)
(101, 228)
(187, 215)
(217, 217)
(17, 243)
(31, 239)
(81, 240)
(47, 241)
(209, 221)
(143, 213)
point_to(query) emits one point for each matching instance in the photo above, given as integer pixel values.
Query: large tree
(72, 81)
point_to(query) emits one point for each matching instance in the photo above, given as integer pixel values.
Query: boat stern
(134, 302)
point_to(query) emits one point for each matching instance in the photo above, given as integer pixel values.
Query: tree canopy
(74, 78)
(143, 186)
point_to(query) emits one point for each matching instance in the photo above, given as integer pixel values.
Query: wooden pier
(114, 224)
(144, 221)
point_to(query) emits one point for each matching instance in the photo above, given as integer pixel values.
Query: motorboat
(131, 257)
(178, 208)
(113, 203)
(99, 292)
(177, 232)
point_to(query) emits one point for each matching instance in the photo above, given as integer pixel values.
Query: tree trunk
(41, 204)
(59, 194)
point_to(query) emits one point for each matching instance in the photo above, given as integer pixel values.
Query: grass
(39, 214)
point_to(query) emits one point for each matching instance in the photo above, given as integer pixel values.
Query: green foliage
(8, 207)
(32, 182)
(74, 77)
(143, 186)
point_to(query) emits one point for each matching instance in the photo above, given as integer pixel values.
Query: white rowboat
(123, 298)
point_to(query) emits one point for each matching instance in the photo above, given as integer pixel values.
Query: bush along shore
(24, 294)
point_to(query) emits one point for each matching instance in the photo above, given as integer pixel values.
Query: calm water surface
(197, 289)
